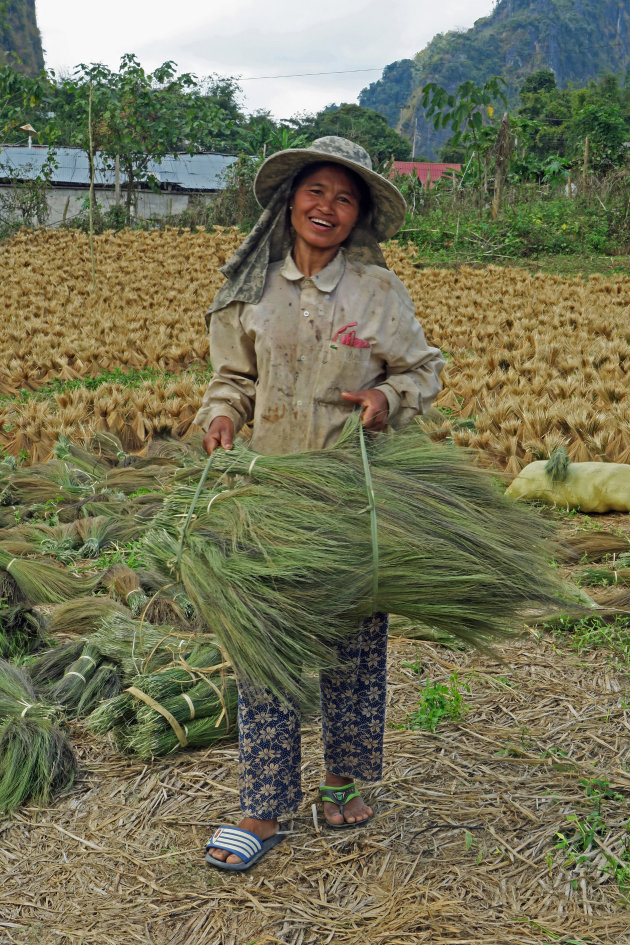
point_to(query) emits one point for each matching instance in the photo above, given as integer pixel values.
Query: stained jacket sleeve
(412, 366)
(231, 391)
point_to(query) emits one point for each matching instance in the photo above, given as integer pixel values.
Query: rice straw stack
(305, 545)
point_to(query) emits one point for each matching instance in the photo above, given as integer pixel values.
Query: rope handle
(193, 504)
(191, 511)
(373, 520)
(172, 721)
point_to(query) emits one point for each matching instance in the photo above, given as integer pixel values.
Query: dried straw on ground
(463, 849)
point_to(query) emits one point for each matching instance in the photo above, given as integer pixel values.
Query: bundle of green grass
(36, 760)
(188, 702)
(157, 689)
(283, 555)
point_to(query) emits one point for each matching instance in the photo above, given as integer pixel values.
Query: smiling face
(325, 209)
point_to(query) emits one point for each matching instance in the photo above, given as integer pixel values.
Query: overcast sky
(248, 39)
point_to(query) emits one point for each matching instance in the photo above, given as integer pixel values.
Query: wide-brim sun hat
(388, 205)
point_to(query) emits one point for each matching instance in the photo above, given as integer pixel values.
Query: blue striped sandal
(341, 796)
(242, 843)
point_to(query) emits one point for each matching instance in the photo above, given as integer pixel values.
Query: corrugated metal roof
(196, 172)
(425, 171)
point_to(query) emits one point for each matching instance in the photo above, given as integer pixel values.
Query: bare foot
(263, 829)
(354, 811)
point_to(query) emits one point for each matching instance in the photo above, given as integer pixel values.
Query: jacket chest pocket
(344, 368)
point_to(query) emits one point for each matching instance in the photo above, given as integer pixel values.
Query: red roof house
(426, 173)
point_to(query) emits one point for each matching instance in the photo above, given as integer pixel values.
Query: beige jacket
(283, 362)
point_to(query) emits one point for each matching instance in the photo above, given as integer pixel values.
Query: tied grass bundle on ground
(288, 560)
(60, 541)
(77, 457)
(100, 532)
(36, 760)
(52, 481)
(85, 683)
(22, 631)
(190, 703)
(10, 593)
(65, 673)
(123, 583)
(83, 614)
(139, 647)
(76, 677)
(132, 646)
(43, 582)
(164, 610)
(593, 546)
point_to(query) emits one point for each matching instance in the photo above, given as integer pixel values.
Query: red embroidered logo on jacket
(350, 337)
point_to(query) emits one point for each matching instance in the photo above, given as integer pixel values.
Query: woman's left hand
(376, 407)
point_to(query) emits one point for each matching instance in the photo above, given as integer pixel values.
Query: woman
(309, 326)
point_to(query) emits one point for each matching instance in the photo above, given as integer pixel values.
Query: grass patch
(594, 632)
(127, 379)
(437, 702)
(591, 835)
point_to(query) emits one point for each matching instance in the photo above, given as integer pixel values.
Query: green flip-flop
(341, 796)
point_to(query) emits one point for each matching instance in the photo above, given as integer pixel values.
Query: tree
(362, 125)
(219, 95)
(464, 112)
(260, 136)
(137, 117)
(606, 131)
(542, 81)
(20, 96)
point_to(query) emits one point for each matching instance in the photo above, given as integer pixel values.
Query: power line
(297, 75)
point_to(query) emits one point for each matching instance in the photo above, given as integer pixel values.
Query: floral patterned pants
(353, 722)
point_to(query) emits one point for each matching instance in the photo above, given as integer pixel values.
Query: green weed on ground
(437, 702)
(591, 834)
(595, 632)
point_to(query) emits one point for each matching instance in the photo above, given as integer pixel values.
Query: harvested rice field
(503, 817)
(534, 361)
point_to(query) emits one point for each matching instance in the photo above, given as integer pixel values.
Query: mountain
(578, 40)
(20, 40)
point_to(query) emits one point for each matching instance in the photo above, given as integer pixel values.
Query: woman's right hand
(220, 433)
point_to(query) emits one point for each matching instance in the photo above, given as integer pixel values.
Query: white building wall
(68, 202)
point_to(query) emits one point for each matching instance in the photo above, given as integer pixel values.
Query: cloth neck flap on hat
(269, 241)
